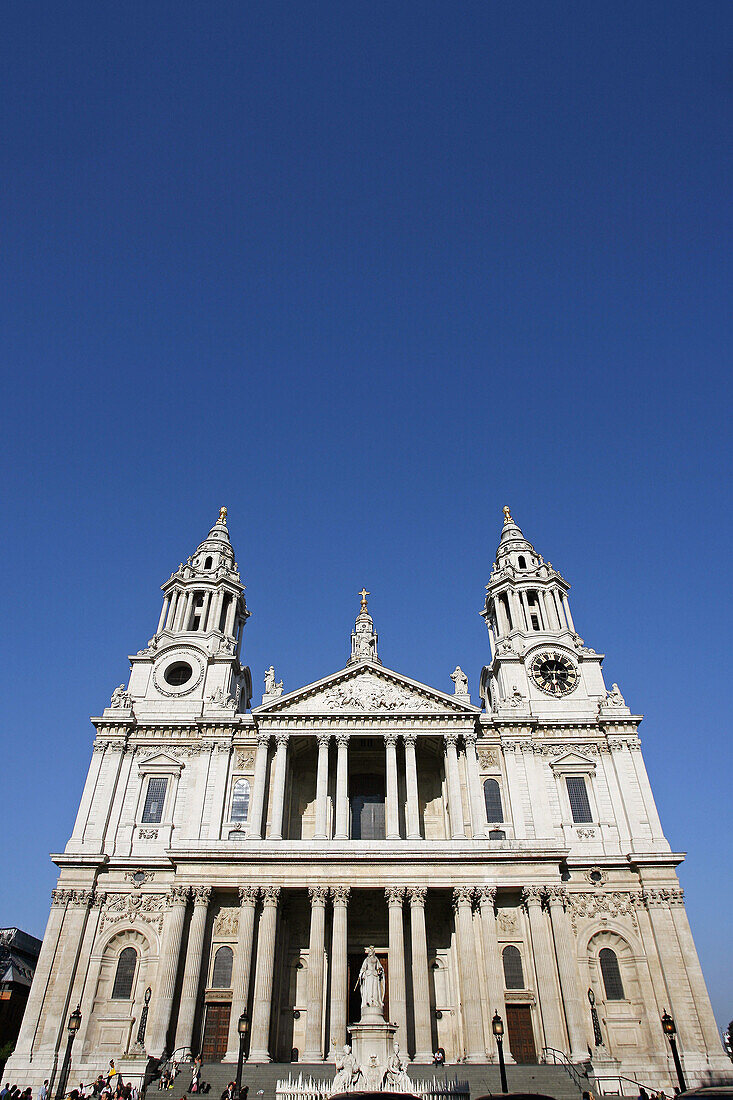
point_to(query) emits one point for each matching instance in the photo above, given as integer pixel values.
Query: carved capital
(281, 740)
(178, 895)
(318, 895)
(418, 896)
(340, 895)
(470, 738)
(486, 897)
(450, 739)
(270, 895)
(324, 740)
(391, 739)
(201, 895)
(248, 895)
(58, 897)
(409, 739)
(395, 895)
(532, 895)
(342, 740)
(556, 895)
(263, 738)
(223, 746)
(462, 895)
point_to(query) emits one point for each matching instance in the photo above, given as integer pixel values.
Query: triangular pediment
(573, 760)
(158, 760)
(363, 689)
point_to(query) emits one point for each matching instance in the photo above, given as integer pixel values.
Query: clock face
(554, 673)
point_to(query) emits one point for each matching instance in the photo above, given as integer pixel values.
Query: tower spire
(364, 637)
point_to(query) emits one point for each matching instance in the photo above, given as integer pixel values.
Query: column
(545, 969)
(262, 1006)
(468, 969)
(566, 609)
(242, 966)
(455, 807)
(205, 610)
(342, 787)
(163, 613)
(493, 969)
(393, 818)
(339, 969)
(478, 806)
(420, 981)
(192, 970)
(395, 896)
(700, 995)
(324, 741)
(314, 1019)
(258, 788)
(674, 969)
(167, 970)
(278, 797)
(413, 807)
(231, 610)
(215, 612)
(575, 1008)
(170, 615)
(65, 974)
(517, 612)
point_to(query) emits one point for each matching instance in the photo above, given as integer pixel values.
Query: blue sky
(365, 273)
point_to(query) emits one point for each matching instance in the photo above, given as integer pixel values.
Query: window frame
(618, 976)
(493, 820)
(236, 780)
(214, 954)
(513, 988)
(579, 779)
(160, 767)
(576, 769)
(131, 994)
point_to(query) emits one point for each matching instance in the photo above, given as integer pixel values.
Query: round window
(178, 674)
(596, 876)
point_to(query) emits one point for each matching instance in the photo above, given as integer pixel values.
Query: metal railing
(560, 1058)
(620, 1080)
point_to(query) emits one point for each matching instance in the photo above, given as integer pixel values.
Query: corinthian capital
(418, 896)
(178, 895)
(532, 895)
(270, 895)
(395, 895)
(318, 895)
(486, 897)
(201, 895)
(340, 894)
(391, 738)
(462, 895)
(556, 895)
(248, 895)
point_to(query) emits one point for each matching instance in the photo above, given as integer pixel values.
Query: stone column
(163, 613)
(342, 787)
(339, 969)
(36, 997)
(493, 969)
(242, 966)
(455, 806)
(545, 969)
(689, 1033)
(324, 741)
(395, 896)
(568, 616)
(66, 974)
(192, 970)
(575, 1009)
(420, 980)
(314, 1019)
(478, 806)
(468, 969)
(256, 813)
(262, 1007)
(167, 970)
(700, 994)
(278, 797)
(393, 817)
(413, 808)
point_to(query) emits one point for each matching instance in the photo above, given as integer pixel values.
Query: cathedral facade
(501, 856)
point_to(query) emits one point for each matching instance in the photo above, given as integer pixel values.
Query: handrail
(620, 1077)
(559, 1057)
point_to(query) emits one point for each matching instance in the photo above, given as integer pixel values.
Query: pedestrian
(194, 1086)
(43, 1091)
(5, 1091)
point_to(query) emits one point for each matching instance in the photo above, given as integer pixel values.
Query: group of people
(12, 1092)
(107, 1086)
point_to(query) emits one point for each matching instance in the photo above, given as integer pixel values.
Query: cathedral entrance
(355, 960)
(216, 1032)
(367, 807)
(521, 1033)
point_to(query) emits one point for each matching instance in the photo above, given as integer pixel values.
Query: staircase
(482, 1079)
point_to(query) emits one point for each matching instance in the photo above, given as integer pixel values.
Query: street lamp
(73, 1026)
(242, 1028)
(497, 1026)
(669, 1029)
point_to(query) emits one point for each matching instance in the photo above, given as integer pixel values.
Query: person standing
(43, 1091)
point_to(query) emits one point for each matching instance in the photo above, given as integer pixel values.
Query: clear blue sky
(364, 273)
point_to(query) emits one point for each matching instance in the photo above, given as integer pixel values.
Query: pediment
(573, 760)
(159, 760)
(366, 689)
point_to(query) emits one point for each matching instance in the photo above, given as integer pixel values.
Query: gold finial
(364, 595)
(507, 514)
(222, 516)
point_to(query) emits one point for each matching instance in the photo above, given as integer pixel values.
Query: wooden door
(216, 1032)
(521, 1033)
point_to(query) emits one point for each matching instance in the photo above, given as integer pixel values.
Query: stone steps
(262, 1078)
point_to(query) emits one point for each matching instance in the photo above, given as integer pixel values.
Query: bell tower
(193, 659)
(539, 663)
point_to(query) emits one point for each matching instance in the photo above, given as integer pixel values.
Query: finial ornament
(222, 516)
(507, 514)
(364, 595)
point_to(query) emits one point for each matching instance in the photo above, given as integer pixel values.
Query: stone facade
(506, 856)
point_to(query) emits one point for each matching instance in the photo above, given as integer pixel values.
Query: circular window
(595, 876)
(178, 674)
(138, 878)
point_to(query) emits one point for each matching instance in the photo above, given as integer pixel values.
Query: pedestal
(371, 1042)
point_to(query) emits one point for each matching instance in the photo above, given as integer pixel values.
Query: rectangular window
(154, 799)
(578, 795)
(535, 622)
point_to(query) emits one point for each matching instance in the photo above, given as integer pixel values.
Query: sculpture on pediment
(395, 1075)
(614, 698)
(460, 680)
(271, 687)
(221, 698)
(348, 1072)
(121, 699)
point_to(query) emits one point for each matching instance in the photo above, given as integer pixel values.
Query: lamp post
(73, 1026)
(497, 1026)
(669, 1029)
(242, 1028)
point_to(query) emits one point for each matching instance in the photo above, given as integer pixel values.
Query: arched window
(222, 976)
(513, 973)
(522, 562)
(492, 801)
(611, 974)
(240, 800)
(208, 563)
(125, 975)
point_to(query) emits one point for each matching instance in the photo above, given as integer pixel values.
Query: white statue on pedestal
(371, 983)
(395, 1075)
(348, 1072)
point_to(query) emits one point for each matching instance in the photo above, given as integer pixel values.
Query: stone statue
(120, 698)
(271, 688)
(395, 1075)
(348, 1072)
(614, 698)
(371, 982)
(460, 679)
